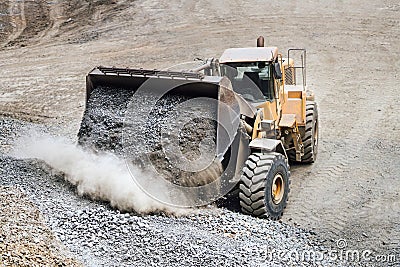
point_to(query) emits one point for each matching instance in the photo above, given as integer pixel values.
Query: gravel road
(99, 235)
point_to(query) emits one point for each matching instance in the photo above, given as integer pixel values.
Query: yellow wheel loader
(262, 118)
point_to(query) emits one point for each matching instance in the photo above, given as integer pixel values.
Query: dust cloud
(98, 176)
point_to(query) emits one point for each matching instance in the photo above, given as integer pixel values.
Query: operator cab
(253, 80)
(250, 71)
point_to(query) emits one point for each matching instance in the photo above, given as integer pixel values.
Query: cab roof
(249, 54)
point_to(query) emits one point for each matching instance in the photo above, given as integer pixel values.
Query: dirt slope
(351, 192)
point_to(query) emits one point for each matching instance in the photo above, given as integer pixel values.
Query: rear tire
(264, 185)
(310, 136)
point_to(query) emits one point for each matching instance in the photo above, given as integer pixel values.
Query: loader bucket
(111, 91)
(182, 124)
(132, 79)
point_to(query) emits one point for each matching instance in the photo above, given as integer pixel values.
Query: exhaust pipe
(260, 41)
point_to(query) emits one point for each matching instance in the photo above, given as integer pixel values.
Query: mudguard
(270, 145)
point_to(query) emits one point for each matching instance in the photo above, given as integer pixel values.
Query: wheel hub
(278, 188)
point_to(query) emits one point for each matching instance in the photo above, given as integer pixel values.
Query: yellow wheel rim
(278, 188)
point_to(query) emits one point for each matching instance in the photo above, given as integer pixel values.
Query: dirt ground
(353, 62)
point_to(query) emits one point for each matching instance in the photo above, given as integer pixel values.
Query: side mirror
(277, 71)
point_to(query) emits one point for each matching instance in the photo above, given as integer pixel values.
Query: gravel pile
(25, 240)
(120, 122)
(103, 120)
(101, 236)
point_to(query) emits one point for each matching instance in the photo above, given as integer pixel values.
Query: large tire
(264, 185)
(310, 138)
(309, 135)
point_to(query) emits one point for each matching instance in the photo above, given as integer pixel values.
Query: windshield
(250, 79)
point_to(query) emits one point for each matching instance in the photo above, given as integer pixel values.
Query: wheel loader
(266, 118)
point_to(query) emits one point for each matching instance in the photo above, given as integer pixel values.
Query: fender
(270, 145)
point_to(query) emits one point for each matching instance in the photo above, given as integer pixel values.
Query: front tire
(264, 185)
